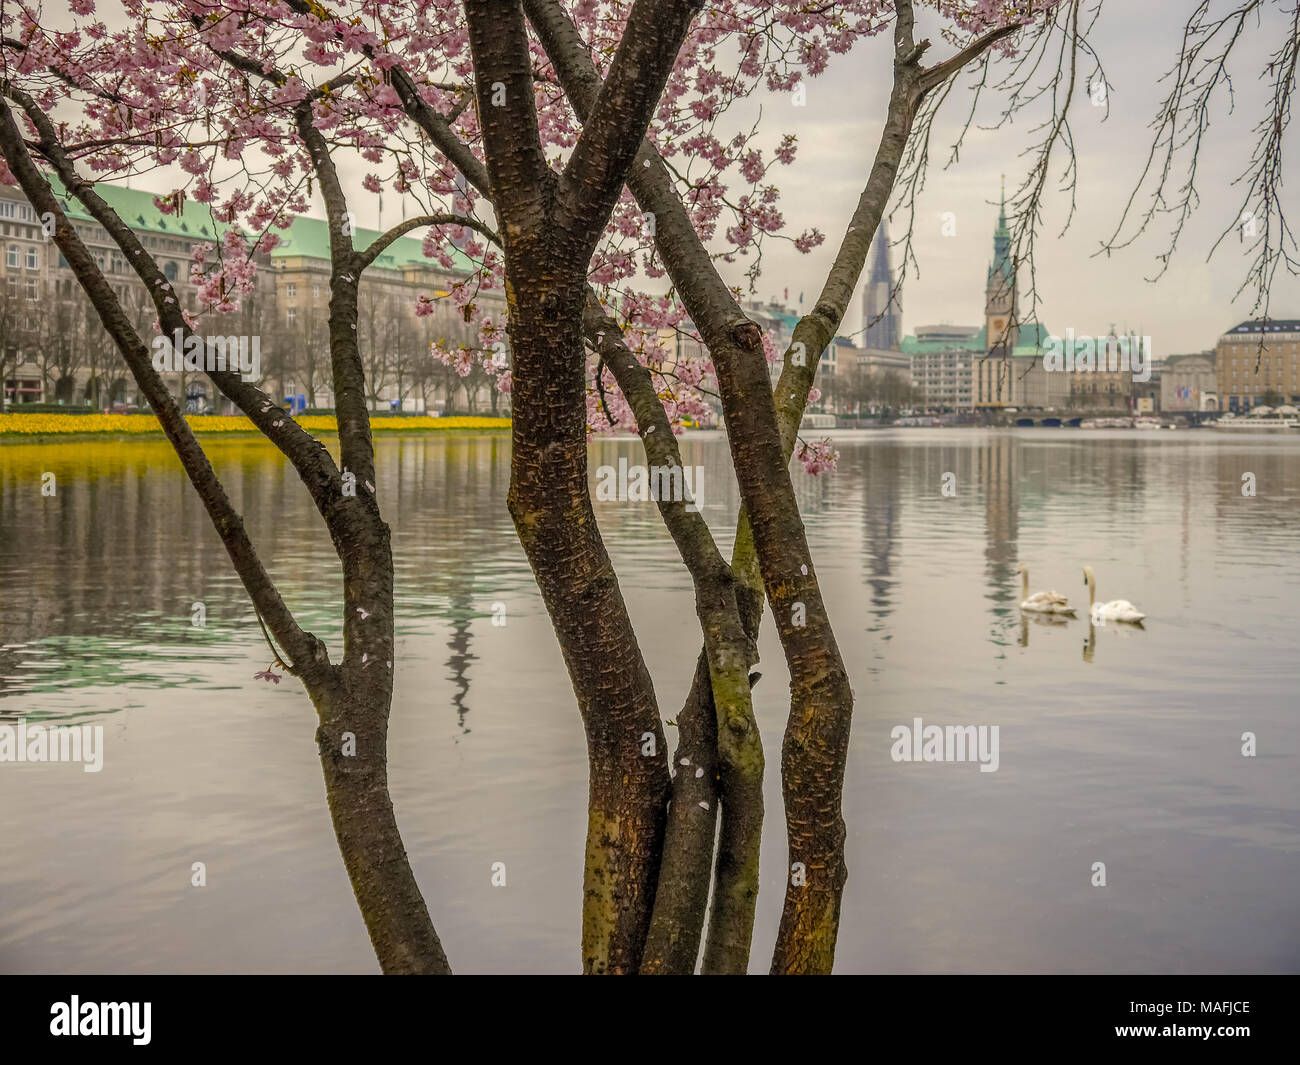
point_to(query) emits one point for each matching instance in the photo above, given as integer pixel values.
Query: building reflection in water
(995, 465)
(462, 615)
(881, 477)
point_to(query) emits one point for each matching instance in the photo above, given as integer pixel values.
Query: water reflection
(1048, 621)
(461, 656)
(1129, 752)
(881, 473)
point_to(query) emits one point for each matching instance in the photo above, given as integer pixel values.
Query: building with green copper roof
(43, 356)
(957, 367)
(306, 237)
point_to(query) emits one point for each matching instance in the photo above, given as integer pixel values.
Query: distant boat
(1107, 423)
(1146, 423)
(1261, 419)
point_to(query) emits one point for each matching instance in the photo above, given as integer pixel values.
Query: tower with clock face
(1001, 329)
(1000, 292)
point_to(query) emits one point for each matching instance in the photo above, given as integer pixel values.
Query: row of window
(111, 262)
(93, 234)
(167, 244)
(13, 209)
(14, 255)
(33, 288)
(26, 232)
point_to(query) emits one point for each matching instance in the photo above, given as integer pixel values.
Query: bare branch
(376, 249)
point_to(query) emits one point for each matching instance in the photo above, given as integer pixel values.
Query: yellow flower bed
(145, 424)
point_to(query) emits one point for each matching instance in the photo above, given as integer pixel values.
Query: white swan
(1042, 602)
(1115, 610)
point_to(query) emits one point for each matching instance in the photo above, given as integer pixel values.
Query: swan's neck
(1024, 584)
(1092, 591)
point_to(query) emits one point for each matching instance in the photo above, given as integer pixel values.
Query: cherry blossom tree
(516, 127)
(583, 156)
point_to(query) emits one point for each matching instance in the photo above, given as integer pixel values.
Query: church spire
(1001, 269)
(881, 309)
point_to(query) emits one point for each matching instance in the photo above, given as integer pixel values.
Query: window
(170, 272)
(33, 259)
(315, 291)
(291, 316)
(33, 290)
(291, 290)
(11, 256)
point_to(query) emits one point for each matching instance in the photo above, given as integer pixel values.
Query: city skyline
(1193, 304)
(1187, 311)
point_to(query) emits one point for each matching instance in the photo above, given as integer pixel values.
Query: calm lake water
(1123, 747)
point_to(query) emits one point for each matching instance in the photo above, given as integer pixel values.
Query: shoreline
(118, 428)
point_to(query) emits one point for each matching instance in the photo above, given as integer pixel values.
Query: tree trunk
(551, 507)
(353, 741)
(682, 897)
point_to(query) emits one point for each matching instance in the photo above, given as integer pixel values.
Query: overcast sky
(838, 131)
(1185, 311)
(1137, 41)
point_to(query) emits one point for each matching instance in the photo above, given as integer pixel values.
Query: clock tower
(996, 382)
(1000, 292)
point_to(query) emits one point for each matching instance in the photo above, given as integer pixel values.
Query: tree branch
(521, 182)
(382, 243)
(616, 121)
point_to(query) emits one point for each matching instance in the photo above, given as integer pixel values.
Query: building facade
(1146, 394)
(53, 348)
(942, 362)
(1102, 388)
(876, 360)
(1258, 364)
(394, 342)
(1188, 383)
